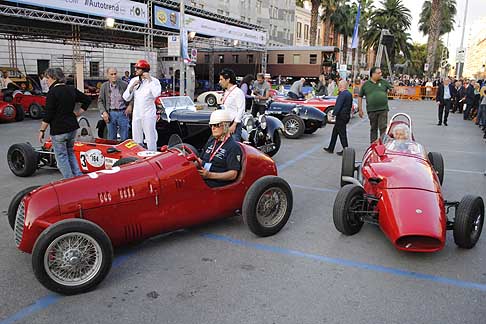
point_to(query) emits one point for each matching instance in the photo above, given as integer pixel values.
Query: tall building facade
(475, 61)
(277, 17)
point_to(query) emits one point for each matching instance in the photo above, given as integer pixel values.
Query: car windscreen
(404, 146)
(173, 103)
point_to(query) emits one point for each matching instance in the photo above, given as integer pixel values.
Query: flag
(354, 43)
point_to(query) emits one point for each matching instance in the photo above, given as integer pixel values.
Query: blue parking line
(349, 263)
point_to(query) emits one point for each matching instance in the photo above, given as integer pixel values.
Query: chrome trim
(19, 223)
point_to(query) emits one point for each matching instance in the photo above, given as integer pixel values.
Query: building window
(296, 58)
(313, 59)
(235, 58)
(306, 32)
(94, 69)
(221, 58)
(206, 58)
(42, 66)
(259, 6)
(280, 59)
(299, 30)
(250, 58)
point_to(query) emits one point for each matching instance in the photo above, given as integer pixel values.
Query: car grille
(19, 223)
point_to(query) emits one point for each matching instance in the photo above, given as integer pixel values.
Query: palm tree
(315, 4)
(395, 17)
(436, 19)
(328, 8)
(343, 21)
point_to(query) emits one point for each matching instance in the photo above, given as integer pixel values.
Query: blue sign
(166, 18)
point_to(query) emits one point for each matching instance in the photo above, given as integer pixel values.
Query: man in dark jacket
(469, 99)
(458, 97)
(342, 111)
(445, 93)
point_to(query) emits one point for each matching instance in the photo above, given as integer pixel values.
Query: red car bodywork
(27, 100)
(7, 112)
(411, 210)
(321, 104)
(140, 199)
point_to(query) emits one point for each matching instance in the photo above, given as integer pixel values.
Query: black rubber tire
(14, 204)
(311, 130)
(277, 141)
(328, 111)
(300, 130)
(211, 100)
(189, 146)
(35, 111)
(437, 162)
(19, 113)
(125, 160)
(347, 164)
(252, 197)
(347, 198)
(65, 227)
(470, 210)
(30, 158)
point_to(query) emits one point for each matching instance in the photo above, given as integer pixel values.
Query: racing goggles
(218, 125)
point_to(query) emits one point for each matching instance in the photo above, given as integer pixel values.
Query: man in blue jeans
(113, 108)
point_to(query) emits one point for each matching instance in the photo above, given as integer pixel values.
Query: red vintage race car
(32, 105)
(92, 154)
(71, 226)
(9, 113)
(324, 104)
(398, 188)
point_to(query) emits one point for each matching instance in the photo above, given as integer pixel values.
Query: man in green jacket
(376, 92)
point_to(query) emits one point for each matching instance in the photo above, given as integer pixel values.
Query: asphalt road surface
(308, 273)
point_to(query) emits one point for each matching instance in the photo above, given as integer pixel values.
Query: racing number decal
(82, 159)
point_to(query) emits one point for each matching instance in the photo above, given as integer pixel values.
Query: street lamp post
(460, 65)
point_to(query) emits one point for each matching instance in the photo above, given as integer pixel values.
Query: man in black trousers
(469, 99)
(342, 111)
(445, 93)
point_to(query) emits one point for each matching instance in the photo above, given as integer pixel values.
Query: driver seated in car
(221, 157)
(401, 140)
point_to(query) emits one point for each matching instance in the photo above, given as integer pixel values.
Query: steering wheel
(189, 153)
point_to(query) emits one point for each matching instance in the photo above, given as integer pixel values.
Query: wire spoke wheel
(271, 207)
(291, 126)
(73, 259)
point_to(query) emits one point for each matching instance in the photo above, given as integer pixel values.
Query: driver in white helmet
(221, 156)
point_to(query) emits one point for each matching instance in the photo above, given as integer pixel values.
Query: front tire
(72, 256)
(19, 113)
(211, 100)
(14, 205)
(437, 162)
(469, 221)
(267, 205)
(277, 141)
(347, 165)
(22, 159)
(348, 201)
(330, 118)
(294, 126)
(35, 111)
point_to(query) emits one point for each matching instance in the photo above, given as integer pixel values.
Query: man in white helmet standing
(143, 89)
(221, 156)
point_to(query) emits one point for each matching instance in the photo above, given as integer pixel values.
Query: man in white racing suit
(143, 89)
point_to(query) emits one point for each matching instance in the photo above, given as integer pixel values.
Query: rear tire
(348, 200)
(347, 164)
(35, 111)
(14, 205)
(211, 100)
(437, 162)
(267, 205)
(294, 126)
(22, 159)
(469, 221)
(61, 248)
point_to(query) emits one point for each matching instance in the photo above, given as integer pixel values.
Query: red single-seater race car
(324, 104)
(71, 226)
(32, 105)
(398, 188)
(92, 154)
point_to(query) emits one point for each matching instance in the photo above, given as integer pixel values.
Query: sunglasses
(216, 125)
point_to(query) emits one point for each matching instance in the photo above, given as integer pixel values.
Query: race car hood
(413, 220)
(400, 171)
(189, 116)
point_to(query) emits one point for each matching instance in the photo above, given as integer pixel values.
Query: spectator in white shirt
(143, 90)
(233, 101)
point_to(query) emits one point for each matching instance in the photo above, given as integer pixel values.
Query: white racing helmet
(219, 116)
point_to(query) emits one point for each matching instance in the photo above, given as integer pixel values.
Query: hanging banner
(173, 46)
(167, 18)
(117, 9)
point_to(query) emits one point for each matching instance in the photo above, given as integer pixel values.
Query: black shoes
(445, 124)
(328, 150)
(339, 153)
(439, 124)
